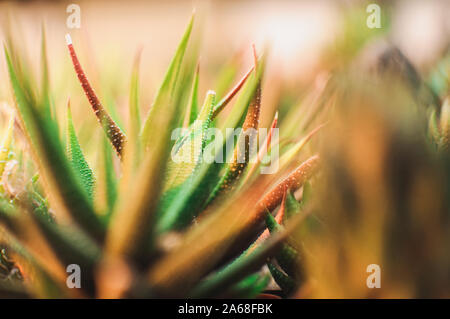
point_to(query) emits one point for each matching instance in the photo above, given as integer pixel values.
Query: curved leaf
(112, 130)
(77, 159)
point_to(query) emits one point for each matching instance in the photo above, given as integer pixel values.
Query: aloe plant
(122, 216)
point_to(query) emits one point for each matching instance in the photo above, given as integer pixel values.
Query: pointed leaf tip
(112, 130)
(224, 102)
(68, 39)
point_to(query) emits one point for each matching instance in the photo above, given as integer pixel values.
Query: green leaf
(45, 80)
(287, 257)
(286, 283)
(132, 221)
(71, 246)
(272, 224)
(249, 287)
(293, 152)
(306, 195)
(192, 109)
(292, 205)
(193, 194)
(189, 147)
(134, 112)
(433, 127)
(77, 159)
(227, 98)
(241, 157)
(240, 267)
(39, 203)
(44, 137)
(226, 75)
(110, 177)
(167, 87)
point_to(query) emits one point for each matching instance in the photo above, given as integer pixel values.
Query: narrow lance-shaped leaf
(227, 73)
(249, 287)
(192, 110)
(133, 152)
(114, 133)
(262, 151)
(288, 256)
(244, 266)
(47, 107)
(110, 177)
(246, 142)
(278, 219)
(224, 101)
(71, 246)
(306, 197)
(106, 183)
(134, 112)
(131, 223)
(167, 87)
(433, 127)
(286, 283)
(188, 149)
(77, 159)
(294, 181)
(295, 150)
(292, 205)
(45, 81)
(22, 65)
(44, 138)
(186, 78)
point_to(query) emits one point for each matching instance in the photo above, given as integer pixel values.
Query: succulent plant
(168, 229)
(363, 177)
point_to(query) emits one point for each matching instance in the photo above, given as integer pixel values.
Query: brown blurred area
(297, 32)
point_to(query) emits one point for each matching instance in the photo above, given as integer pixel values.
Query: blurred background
(297, 33)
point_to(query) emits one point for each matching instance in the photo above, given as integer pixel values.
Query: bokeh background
(300, 35)
(297, 32)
